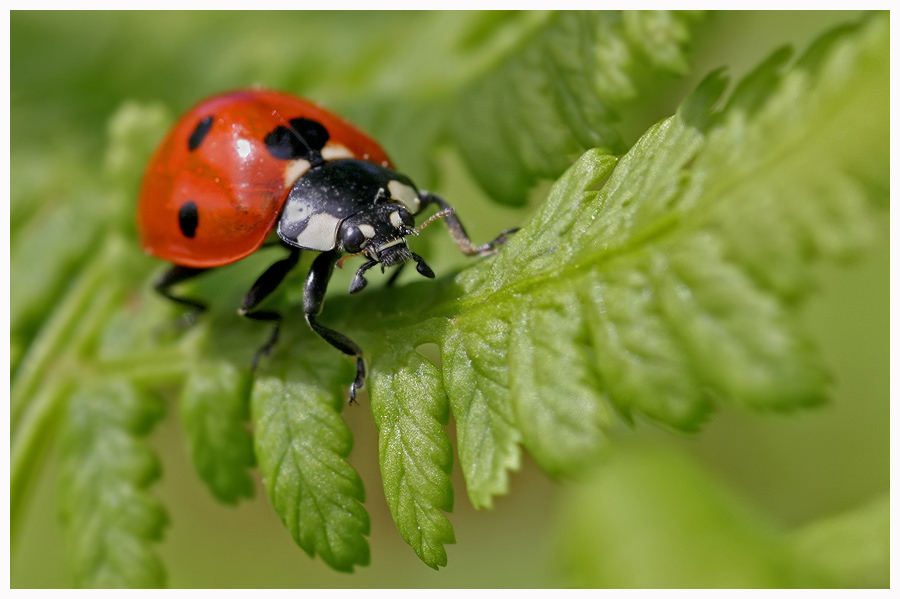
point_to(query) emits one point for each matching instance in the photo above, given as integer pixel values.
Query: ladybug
(242, 165)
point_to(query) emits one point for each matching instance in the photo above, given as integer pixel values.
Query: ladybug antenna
(314, 157)
(442, 214)
(340, 263)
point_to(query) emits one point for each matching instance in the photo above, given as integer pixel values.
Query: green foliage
(648, 273)
(563, 92)
(214, 413)
(111, 519)
(824, 544)
(410, 411)
(628, 527)
(302, 443)
(653, 285)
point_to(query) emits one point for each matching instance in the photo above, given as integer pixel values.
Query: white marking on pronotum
(406, 195)
(243, 147)
(295, 212)
(295, 170)
(396, 220)
(335, 151)
(397, 241)
(320, 232)
(367, 230)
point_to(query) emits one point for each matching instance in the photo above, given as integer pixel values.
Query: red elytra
(214, 164)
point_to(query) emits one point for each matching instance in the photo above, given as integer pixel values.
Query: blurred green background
(747, 490)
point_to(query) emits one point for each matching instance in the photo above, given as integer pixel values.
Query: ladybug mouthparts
(393, 252)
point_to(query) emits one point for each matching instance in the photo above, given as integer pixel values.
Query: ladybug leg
(422, 268)
(263, 288)
(313, 298)
(395, 275)
(458, 232)
(177, 274)
(359, 281)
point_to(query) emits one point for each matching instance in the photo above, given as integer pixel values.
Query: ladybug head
(379, 232)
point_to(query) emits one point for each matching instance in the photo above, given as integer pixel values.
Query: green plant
(657, 281)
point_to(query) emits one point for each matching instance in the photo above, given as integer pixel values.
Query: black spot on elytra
(188, 219)
(304, 138)
(199, 133)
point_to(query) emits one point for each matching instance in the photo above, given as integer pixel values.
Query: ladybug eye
(352, 238)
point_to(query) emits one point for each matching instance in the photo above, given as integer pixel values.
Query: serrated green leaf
(214, 410)
(616, 331)
(301, 446)
(476, 377)
(753, 90)
(660, 36)
(37, 400)
(669, 282)
(111, 520)
(562, 91)
(568, 432)
(410, 411)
